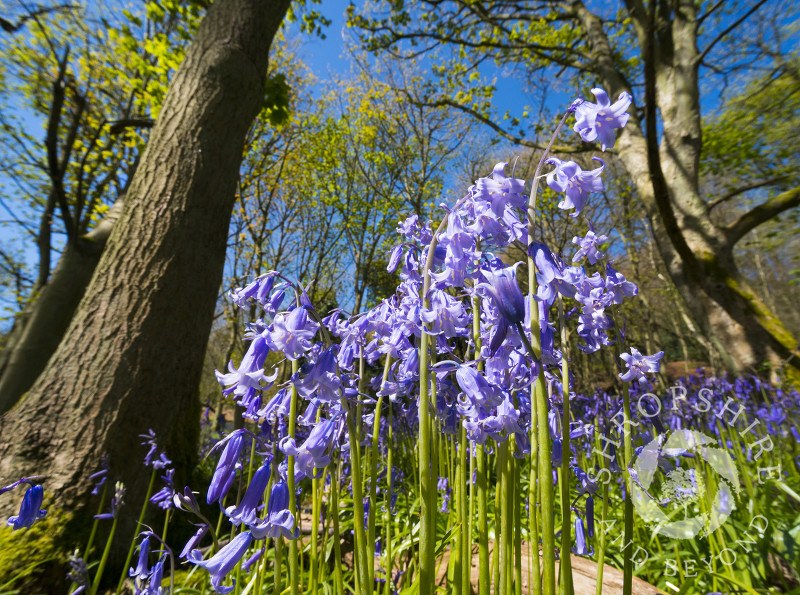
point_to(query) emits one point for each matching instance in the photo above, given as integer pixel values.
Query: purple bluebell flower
(225, 472)
(247, 564)
(224, 560)
(504, 290)
(243, 382)
(581, 548)
(568, 177)
(141, 571)
(321, 379)
(590, 516)
(618, 286)
(100, 476)
(588, 247)
(310, 455)
(599, 120)
(194, 541)
(247, 511)
(447, 315)
(279, 520)
(163, 497)
(29, 511)
(639, 365)
(291, 333)
(477, 389)
(258, 289)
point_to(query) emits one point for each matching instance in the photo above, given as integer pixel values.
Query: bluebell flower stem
(517, 522)
(540, 397)
(294, 574)
(102, 566)
(338, 579)
(132, 547)
(358, 501)
(484, 578)
(601, 534)
(389, 519)
(465, 533)
(566, 515)
(315, 526)
(90, 543)
(627, 578)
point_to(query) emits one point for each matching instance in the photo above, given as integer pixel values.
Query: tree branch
(733, 26)
(494, 126)
(742, 189)
(761, 214)
(119, 125)
(10, 27)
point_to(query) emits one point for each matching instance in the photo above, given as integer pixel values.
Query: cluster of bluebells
(468, 281)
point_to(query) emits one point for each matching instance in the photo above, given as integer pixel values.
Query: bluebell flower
(78, 573)
(141, 571)
(504, 290)
(568, 177)
(100, 476)
(29, 511)
(639, 365)
(310, 455)
(194, 541)
(593, 121)
(581, 548)
(223, 561)
(225, 472)
(588, 247)
(291, 333)
(247, 511)
(279, 520)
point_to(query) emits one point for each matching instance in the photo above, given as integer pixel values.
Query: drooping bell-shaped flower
(640, 365)
(225, 472)
(30, 510)
(141, 570)
(224, 560)
(502, 287)
(310, 455)
(279, 520)
(581, 548)
(291, 333)
(599, 120)
(569, 178)
(247, 511)
(588, 247)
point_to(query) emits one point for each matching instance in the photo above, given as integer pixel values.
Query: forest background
(413, 113)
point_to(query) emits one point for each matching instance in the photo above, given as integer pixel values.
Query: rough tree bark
(48, 316)
(132, 356)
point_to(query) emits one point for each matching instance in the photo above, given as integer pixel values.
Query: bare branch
(733, 26)
(742, 189)
(761, 214)
(10, 27)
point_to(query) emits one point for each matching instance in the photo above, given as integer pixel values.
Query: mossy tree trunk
(698, 254)
(132, 356)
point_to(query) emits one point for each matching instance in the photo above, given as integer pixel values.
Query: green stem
(139, 523)
(484, 579)
(294, 574)
(88, 550)
(540, 396)
(99, 575)
(358, 501)
(389, 518)
(566, 515)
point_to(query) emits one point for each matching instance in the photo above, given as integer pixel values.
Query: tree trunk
(49, 315)
(132, 356)
(697, 253)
